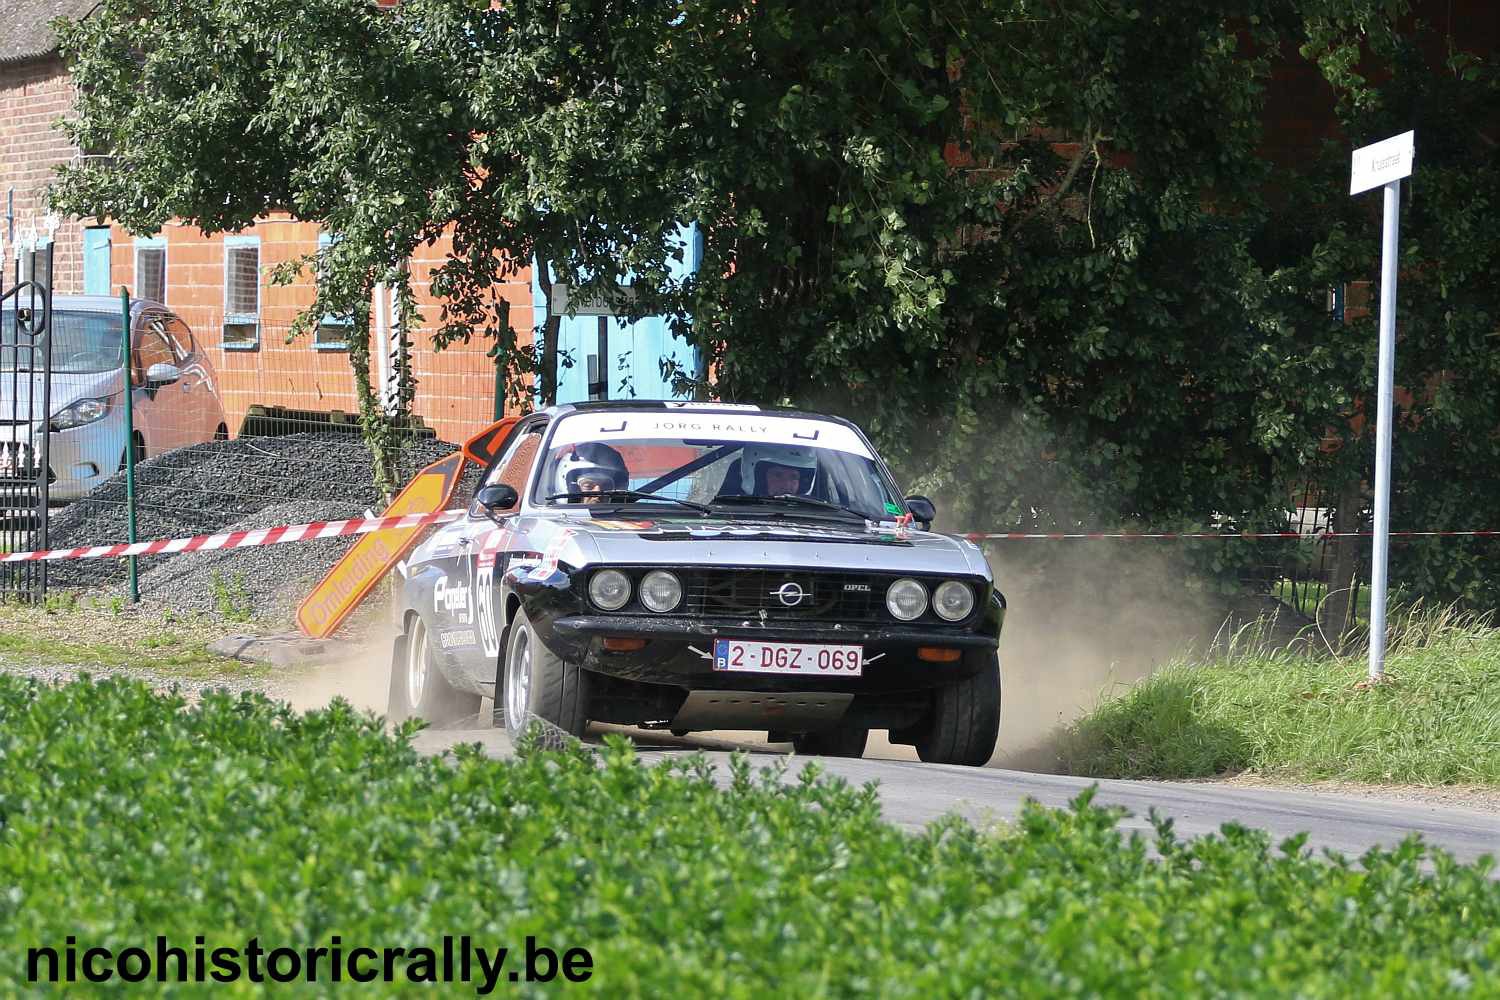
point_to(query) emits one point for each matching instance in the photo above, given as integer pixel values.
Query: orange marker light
(617, 644)
(937, 654)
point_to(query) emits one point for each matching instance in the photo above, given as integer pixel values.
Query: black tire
(536, 683)
(964, 722)
(840, 741)
(427, 696)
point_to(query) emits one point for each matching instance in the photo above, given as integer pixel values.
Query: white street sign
(1382, 162)
(562, 297)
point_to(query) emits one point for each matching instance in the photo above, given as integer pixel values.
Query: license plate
(813, 659)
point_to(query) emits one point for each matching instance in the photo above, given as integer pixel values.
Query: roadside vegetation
(294, 828)
(1299, 715)
(73, 631)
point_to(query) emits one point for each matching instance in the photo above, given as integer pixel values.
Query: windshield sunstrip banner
(750, 428)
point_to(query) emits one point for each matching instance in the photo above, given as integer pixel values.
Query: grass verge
(1436, 720)
(177, 657)
(125, 815)
(67, 631)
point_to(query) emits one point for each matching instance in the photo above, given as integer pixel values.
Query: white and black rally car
(695, 566)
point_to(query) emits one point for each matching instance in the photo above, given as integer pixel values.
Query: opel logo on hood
(790, 593)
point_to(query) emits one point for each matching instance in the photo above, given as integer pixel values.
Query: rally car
(694, 566)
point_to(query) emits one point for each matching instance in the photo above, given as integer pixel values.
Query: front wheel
(964, 722)
(539, 684)
(418, 688)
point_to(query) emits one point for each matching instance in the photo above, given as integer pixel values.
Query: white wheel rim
(518, 678)
(416, 665)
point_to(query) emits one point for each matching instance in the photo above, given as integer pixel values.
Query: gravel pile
(253, 583)
(246, 483)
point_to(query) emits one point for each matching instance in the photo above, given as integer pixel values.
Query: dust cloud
(1101, 616)
(362, 677)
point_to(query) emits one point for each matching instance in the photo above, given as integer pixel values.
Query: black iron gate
(25, 413)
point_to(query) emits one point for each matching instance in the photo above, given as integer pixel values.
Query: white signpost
(1384, 163)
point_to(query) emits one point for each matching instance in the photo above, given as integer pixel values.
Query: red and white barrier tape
(240, 539)
(364, 525)
(983, 536)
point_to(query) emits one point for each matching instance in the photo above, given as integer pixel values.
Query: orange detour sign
(367, 563)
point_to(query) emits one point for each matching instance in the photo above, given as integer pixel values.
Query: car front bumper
(679, 652)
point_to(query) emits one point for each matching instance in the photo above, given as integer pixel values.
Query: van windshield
(83, 343)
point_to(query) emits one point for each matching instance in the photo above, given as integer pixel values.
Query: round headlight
(906, 599)
(661, 591)
(953, 600)
(610, 589)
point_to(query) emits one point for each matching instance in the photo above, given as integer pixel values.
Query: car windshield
(83, 343)
(733, 463)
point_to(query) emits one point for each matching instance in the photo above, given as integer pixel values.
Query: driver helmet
(591, 461)
(755, 459)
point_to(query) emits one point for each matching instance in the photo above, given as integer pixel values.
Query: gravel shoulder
(1477, 797)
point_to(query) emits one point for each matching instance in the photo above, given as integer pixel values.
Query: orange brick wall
(33, 95)
(455, 387)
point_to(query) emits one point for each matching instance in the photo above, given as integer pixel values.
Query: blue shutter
(96, 260)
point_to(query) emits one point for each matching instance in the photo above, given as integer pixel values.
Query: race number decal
(484, 587)
(485, 593)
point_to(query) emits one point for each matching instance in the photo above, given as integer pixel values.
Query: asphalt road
(914, 793)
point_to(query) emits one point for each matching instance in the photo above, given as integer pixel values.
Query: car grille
(785, 595)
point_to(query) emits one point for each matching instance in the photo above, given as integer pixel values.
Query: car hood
(750, 541)
(22, 391)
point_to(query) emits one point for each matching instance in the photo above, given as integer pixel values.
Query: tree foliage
(1446, 458)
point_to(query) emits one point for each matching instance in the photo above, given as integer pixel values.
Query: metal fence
(25, 403)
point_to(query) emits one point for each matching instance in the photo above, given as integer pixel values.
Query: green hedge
(125, 815)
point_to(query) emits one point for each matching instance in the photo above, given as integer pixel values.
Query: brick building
(35, 91)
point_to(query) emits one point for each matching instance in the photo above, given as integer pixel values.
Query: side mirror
(922, 510)
(162, 373)
(497, 498)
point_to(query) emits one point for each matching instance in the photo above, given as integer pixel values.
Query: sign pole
(1383, 164)
(1386, 389)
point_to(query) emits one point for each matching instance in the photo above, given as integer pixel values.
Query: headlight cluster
(84, 411)
(906, 599)
(660, 591)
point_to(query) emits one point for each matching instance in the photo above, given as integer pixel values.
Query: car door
(491, 540)
(200, 410)
(156, 419)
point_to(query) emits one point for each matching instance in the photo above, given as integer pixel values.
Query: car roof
(707, 406)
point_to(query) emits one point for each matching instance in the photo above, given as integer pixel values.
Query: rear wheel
(539, 684)
(418, 688)
(964, 722)
(840, 741)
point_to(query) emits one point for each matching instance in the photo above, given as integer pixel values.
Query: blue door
(604, 357)
(96, 260)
